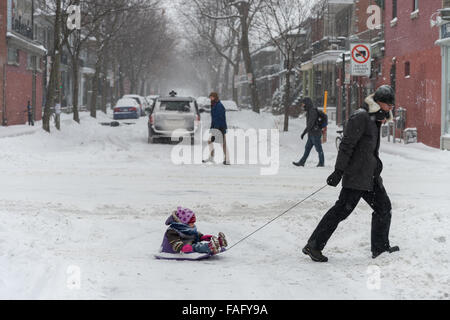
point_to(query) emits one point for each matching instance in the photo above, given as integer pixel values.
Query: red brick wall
(19, 92)
(317, 29)
(413, 41)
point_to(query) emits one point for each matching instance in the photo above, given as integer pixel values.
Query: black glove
(335, 178)
(303, 135)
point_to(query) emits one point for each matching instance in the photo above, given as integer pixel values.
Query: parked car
(173, 113)
(127, 109)
(143, 104)
(230, 105)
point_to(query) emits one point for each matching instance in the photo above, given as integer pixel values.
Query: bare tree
(245, 12)
(55, 8)
(282, 21)
(143, 43)
(222, 36)
(106, 20)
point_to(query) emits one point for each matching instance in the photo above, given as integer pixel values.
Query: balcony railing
(328, 44)
(22, 28)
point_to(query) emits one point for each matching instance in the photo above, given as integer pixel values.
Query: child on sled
(182, 236)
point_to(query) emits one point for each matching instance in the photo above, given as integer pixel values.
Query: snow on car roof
(176, 99)
(126, 102)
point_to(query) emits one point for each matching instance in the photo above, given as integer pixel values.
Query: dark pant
(314, 141)
(348, 200)
(30, 119)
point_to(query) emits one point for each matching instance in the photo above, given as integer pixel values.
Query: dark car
(127, 109)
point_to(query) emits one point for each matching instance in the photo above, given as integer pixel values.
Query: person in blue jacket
(219, 127)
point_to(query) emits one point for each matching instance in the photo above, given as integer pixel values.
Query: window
(393, 76)
(394, 9)
(13, 56)
(407, 69)
(415, 5)
(180, 106)
(31, 62)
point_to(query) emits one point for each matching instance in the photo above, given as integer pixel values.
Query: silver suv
(173, 113)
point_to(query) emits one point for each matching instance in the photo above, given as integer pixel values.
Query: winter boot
(214, 246)
(390, 250)
(223, 240)
(315, 255)
(298, 164)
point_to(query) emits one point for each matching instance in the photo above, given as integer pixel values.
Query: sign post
(361, 62)
(325, 105)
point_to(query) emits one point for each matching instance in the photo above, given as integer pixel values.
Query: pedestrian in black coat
(30, 114)
(314, 134)
(359, 167)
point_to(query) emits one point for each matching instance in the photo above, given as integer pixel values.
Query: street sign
(361, 63)
(348, 76)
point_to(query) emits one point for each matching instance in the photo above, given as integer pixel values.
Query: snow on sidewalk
(94, 199)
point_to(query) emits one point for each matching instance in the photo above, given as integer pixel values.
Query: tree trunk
(236, 74)
(121, 83)
(226, 77)
(95, 82)
(142, 91)
(56, 57)
(105, 85)
(244, 12)
(76, 86)
(287, 94)
(217, 76)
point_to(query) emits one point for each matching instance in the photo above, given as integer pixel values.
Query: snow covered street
(94, 199)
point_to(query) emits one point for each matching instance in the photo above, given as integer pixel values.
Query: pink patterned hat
(184, 215)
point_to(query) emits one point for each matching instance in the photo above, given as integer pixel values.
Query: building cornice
(329, 55)
(27, 44)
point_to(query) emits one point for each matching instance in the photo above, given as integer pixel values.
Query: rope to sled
(277, 217)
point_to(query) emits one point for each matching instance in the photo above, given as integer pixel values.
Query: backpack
(322, 120)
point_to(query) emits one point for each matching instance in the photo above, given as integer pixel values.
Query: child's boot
(223, 240)
(214, 246)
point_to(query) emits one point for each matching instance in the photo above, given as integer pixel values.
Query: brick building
(21, 63)
(413, 66)
(352, 25)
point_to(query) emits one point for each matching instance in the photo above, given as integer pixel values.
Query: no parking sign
(361, 61)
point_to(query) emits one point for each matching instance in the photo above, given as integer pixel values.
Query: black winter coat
(312, 126)
(358, 155)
